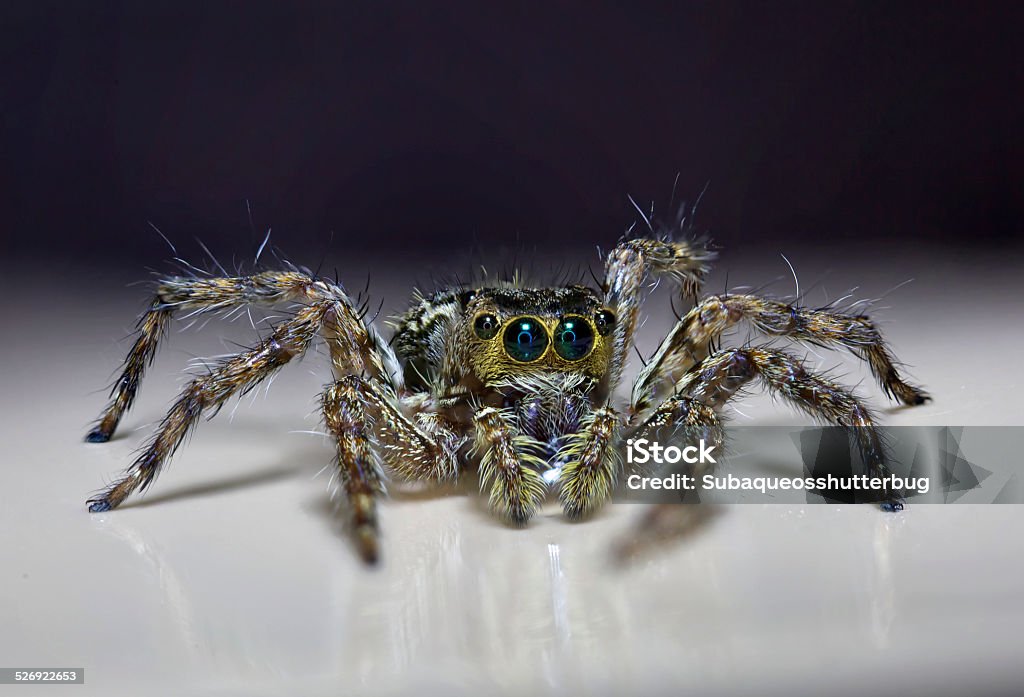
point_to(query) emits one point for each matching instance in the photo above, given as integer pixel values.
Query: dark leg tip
(921, 398)
(97, 436)
(367, 544)
(891, 506)
(99, 505)
(518, 517)
(575, 513)
(580, 511)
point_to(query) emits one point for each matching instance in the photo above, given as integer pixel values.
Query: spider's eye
(525, 340)
(573, 338)
(605, 321)
(486, 326)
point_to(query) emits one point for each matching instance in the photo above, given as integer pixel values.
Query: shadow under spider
(660, 527)
(213, 488)
(302, 460)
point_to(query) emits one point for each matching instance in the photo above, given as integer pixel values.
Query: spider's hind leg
(231, 376)
(720, 376)
(200, 295)
(691, 340)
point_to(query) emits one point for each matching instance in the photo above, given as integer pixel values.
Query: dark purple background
(405, 128)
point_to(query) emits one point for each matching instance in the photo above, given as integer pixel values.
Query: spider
(518, 381)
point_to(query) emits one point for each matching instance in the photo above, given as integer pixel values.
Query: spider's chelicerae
(518, 381)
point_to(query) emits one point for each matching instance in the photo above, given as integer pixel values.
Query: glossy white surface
(232, 577)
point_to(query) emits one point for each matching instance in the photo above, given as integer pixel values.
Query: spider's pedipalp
(592, 463)
(509, 466)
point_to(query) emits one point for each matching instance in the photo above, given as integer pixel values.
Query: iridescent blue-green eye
(573, 338)
(525, 340)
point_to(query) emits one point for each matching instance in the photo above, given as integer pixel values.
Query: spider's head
(519, 332)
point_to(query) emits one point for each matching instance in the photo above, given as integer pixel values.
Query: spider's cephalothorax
(519, 382)
(503, 345)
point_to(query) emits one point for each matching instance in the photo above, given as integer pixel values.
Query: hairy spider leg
(334, 316)
(626, 270)
(232, 376)
(722, 375)
(369, 430)
(692, 338)
(200, 296)
(361, 476)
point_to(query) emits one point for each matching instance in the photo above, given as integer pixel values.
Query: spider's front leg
(720, 376)
(361, 476)
(509, 465)
(591, 456)
(369, 428)
(626, 270)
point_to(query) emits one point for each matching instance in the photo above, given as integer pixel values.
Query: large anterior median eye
(525, 339)
(573, 338)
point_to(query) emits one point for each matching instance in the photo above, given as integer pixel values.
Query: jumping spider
(517, 380)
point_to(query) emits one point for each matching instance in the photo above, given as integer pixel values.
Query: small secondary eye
(573, 338)
(525, 340)
(605, 321)
(486, 326)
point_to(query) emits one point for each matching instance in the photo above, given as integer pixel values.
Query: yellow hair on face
(497, 357)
